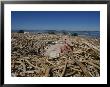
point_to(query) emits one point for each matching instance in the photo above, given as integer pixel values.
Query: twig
(70, 74)
(30, 64)
(47, 72)
(64, 70)
(24, 67)
(76, 70)
(83, 68)
(96, 66)
(90, 45)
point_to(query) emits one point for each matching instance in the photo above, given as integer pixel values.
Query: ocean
(88, 33)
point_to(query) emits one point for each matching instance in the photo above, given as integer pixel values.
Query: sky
(56, 20)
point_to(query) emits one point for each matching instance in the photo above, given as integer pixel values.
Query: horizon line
(51, 29)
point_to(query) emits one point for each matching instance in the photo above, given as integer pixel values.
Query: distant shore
(91, 34)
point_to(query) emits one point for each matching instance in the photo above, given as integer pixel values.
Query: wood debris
(28, 59)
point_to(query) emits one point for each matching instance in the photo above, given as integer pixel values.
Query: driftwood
(24, 67)
(83, 68)
(47, 72)
(96, 66)
(64, 70)
(70, 74)
(83, 61)
(30, 64)
(90, 45)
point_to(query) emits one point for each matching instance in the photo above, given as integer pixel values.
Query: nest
(27, 59)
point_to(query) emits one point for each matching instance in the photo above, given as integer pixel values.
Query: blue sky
(56, 20)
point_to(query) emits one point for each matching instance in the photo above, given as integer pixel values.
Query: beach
(51, 55)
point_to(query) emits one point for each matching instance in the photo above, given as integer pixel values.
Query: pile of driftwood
(27, 59)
